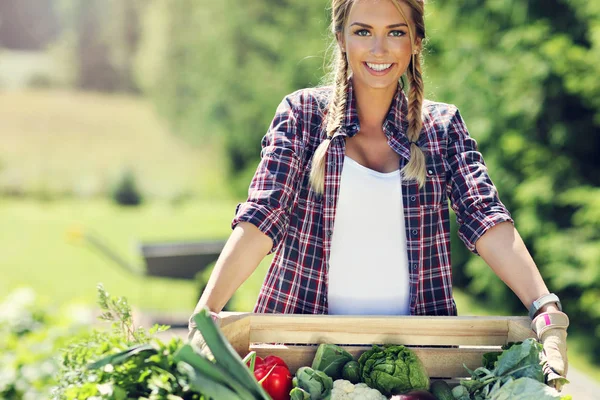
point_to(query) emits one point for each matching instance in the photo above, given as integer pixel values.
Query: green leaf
(123, 356)
(525, 389)
(521, 360)
(209, 387)
(225, 355)
(210, 370)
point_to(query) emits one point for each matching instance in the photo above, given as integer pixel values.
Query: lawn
(38, 252)
(61, 152)
(55, 142)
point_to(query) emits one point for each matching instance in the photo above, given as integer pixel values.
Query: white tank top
(368, 266)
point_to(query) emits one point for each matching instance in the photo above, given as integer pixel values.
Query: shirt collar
(395, 123)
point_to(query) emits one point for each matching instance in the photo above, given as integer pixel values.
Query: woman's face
(377, 43)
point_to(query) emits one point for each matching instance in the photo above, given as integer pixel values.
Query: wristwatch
(542, 301)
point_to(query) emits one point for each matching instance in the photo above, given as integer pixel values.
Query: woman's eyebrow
(369, 26)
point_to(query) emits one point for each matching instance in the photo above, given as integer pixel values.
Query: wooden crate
(444, 344)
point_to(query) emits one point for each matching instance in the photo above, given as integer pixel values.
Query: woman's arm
(261, 222)
(502, 248)
(244, 250)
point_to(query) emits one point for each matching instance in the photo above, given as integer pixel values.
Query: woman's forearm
(502, 248)
(243, 252)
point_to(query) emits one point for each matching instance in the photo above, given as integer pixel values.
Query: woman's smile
(378, 69)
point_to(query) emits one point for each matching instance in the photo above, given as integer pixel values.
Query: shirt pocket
(433, 193)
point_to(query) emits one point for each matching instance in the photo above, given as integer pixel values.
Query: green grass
(56, 141)
(37, 251)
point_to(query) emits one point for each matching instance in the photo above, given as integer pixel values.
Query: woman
(352, 192)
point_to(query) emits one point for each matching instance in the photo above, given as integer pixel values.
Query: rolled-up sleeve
(273, 186)
(473, 196)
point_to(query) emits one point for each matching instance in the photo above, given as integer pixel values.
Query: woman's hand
(551, 330)
(195, 337)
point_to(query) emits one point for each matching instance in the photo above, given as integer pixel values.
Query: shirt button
(414, 232)
(430, 171)
(330, 200)
(413, 198)
(329, 232)
(414, 267)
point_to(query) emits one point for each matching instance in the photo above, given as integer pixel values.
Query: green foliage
(126, 191)
(141, 375)
(515, 373)
(100, 38)
(524, 75)
(222, 80)
(30, 337)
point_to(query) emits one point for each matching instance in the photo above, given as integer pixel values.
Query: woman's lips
(378, 73)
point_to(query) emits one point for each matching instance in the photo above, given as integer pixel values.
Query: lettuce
(393, 369)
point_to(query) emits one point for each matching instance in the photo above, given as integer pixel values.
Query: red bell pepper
(273, 374)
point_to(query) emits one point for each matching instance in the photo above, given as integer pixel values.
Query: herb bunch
(123, 363)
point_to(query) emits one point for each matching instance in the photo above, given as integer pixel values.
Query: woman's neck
(372, 106)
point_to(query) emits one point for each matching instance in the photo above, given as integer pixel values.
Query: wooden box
(444, 344)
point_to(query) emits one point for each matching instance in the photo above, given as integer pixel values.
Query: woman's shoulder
(309, 99)
(437, 110)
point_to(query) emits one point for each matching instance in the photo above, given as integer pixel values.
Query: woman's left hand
(551, 330)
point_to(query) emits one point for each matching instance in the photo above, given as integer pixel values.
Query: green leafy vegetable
(316, 383)
(124, 362)
(393, 369)
(227, 358)
(521, 361)
(331, 360)
(516, 367)
(489, 359)
(299, 394)
(525, 389)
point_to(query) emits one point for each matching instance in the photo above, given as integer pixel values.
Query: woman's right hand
(195, 337)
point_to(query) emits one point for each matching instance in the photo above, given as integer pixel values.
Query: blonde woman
(352, 191)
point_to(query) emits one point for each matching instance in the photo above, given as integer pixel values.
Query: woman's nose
(379, 46)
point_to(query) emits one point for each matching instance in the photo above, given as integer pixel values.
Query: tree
(525, 77)
(229, 64)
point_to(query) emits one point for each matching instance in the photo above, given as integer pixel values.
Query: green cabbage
(314, 382)
(331, 359)
(393, 369)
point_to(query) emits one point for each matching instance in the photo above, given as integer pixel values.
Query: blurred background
(130, 129)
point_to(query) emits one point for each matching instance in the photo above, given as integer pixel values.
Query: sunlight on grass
(37, 251)
(62, 141)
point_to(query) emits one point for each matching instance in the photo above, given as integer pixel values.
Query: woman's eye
(397, 33)
(362, 32)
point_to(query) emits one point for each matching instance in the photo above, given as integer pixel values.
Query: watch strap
(542, 301)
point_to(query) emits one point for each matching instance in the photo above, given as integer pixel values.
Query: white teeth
(379, 67)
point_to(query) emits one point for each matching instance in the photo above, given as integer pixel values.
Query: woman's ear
(418, 45)
(340, 39)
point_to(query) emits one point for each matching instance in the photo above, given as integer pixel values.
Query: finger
(556, 384)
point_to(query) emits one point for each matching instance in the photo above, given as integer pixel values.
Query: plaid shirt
(282, 204)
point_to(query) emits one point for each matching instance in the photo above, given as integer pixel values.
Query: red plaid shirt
(283, 206)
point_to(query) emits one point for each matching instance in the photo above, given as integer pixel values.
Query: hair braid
(335, 116)
(415, 168)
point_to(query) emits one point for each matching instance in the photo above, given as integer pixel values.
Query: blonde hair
(415, 168)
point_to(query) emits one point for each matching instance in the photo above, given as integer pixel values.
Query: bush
(30, 337)
(126, 191)
(41, 80)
